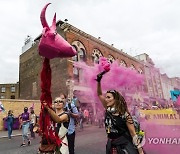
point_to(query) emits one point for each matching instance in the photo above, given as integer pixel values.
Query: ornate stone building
(153, 78)
(64, 76)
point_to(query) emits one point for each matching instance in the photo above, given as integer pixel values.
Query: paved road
(90, 141)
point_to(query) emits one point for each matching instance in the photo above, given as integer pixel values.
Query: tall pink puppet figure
(51, 45)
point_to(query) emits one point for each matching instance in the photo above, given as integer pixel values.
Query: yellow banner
(161, 117)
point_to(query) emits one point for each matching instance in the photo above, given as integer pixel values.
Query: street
(90, 141)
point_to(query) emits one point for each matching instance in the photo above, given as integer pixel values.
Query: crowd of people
(65, 114)
(116, 117)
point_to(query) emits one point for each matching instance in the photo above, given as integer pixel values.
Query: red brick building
(89, 50)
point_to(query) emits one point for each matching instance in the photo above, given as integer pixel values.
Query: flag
(1, 107)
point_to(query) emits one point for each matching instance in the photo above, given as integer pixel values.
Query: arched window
(123, 63)
(132, 67)
(140, 71)
(96, 54)
(82, 55)
(110, 59)
(75, 58)
(81, 51)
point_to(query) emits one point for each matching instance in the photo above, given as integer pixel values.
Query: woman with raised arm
(122, 138)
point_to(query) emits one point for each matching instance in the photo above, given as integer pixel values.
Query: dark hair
(32, 111)
(9, 112)
(63, 95)
(25, 109)
(120, 102)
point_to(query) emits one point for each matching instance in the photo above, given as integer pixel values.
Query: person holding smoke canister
(122, 138)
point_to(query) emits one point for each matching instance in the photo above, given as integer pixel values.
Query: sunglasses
(112, 91)
(58, 102)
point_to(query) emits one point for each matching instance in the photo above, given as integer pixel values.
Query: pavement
(4, 133)
(90, 140)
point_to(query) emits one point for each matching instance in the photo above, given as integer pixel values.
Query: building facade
(9, 91)
(176, 83)
(66, 78)
(167, 86)
(153, 77)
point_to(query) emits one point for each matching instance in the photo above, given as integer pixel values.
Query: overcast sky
(136, 26)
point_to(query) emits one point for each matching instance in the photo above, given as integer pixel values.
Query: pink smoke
(116, 78)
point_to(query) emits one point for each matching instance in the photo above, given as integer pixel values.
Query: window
(123, 63)
(80, 48)
(13, 89)
(2, 97)
(12, 97)
(132, 67)
(3, 89)
(96, 55)
(111, 59)
(140, 71)
(82, 56)
(75, 58)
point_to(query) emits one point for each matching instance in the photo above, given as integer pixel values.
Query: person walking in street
(32, 122)
(25, 120)
(81, 116)
(10, 121)
(86, 116)
(73, 113)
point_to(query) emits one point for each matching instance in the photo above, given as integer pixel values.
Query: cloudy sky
(136, 26)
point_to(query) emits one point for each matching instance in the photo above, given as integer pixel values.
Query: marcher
(10, 121)
(62, 122)
(25, 120)
(119, 125)
(32, 122)
(86, 116)
(73, 113)
(81, 116)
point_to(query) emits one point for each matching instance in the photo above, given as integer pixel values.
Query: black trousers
(71, 142)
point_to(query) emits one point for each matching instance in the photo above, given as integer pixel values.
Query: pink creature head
(52, 45)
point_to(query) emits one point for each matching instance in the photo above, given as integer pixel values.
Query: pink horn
(43, 18)
(54, 22)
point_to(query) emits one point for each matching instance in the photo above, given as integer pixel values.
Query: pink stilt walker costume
(51, 45)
